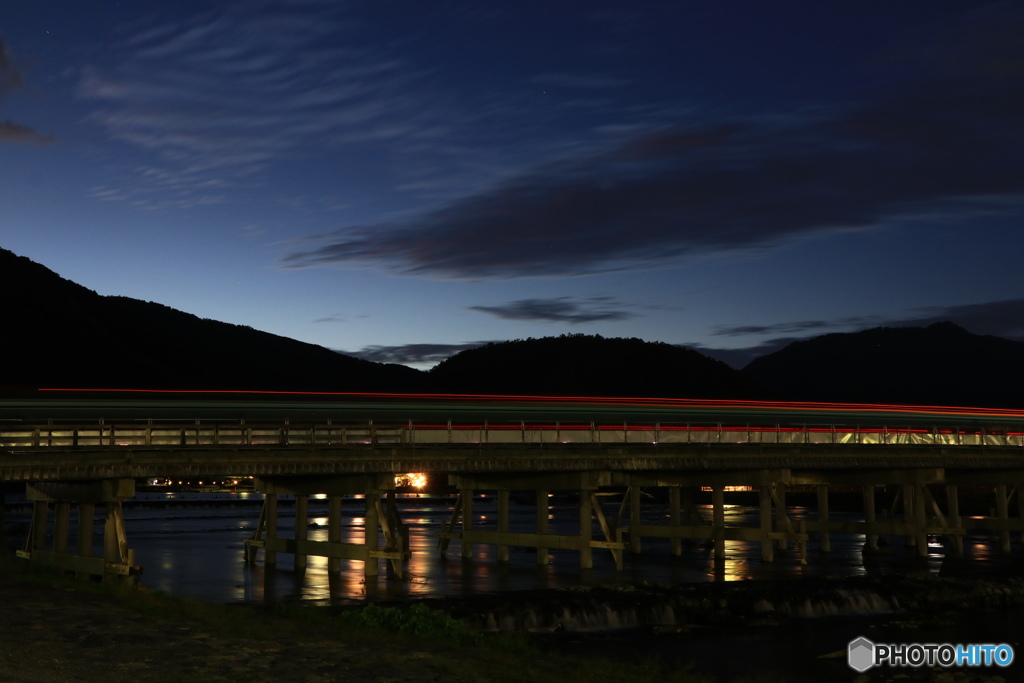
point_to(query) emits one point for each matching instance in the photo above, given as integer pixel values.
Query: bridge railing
(235, 434)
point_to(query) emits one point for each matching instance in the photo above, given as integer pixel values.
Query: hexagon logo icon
(861, 654)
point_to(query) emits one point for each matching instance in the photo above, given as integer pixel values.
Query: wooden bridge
(925, 455)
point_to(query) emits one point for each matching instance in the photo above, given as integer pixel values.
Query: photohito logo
(864, 654)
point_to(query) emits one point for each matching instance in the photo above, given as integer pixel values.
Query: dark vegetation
(59, 334)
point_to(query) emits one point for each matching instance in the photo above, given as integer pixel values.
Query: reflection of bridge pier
(377, 513)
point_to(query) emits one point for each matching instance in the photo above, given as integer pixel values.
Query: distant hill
(582, 365)
(941, 364)
(58, 333)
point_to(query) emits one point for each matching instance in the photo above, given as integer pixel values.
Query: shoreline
(56, 629)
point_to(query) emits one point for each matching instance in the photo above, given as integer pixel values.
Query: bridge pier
(377, 519)
(585, 483)
(769, 483)
(118, 559)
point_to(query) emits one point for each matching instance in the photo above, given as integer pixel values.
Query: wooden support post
(718, 520)
(823, 536)
(920, 521)
(257, 536)
(542, 524)
(802, 543)
(908, 512)
(371, 537)
(442, 543)
(1003, 515)
(635, 542)
(40, 525)
(61, 524)
(767, 550)
(86, 527)
(392, 532)
(781, 518)
(690, 514)
(953, 503)
(586, 531)
(870, 540)
(676, 544)
(606, 529)
(467, 522)
(115, 540)
(270, 502)
(1020, 510)
(301, 529)
(334, 530)
(502, 524)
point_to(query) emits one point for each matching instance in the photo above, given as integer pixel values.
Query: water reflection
(197, 549)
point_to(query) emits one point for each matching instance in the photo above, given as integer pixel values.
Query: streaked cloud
(1004, 318)
(413, 354)
(15, 132)
(575, 80)
(11, 74)
(559, 309)
(224, 94)
(12, 79)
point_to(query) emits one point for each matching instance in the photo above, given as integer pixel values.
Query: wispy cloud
(939, 140)
(12, 79)
(575, 80)
(221, 95)
(15, 132)
(11, 75)
(559, 309)
(1004, 318)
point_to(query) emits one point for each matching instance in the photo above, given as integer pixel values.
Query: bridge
(73, 450)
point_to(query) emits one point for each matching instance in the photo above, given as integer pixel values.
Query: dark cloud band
(939, 140)
(559, 309)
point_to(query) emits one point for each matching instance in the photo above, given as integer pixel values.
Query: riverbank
(53, 628)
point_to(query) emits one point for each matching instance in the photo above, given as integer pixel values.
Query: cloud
(1003, 318)
(12, 78)
(11, 75)
(574, 80)
(559, 309)
(413, 354)
(939, 140)
(222, 95)
(797, 326)
(15, 132)
(336, 318)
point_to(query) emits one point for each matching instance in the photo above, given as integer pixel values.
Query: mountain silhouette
(942, 364)
(590, 365)
(61, 334)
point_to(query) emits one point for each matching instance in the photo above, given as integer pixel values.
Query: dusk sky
(400, 180)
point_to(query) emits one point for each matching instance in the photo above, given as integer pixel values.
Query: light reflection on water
(198, 550)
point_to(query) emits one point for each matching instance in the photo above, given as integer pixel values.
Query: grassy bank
(369, 643)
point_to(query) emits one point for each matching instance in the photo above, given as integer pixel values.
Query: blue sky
(400, 180)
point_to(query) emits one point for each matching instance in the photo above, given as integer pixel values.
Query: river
(192, 544)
